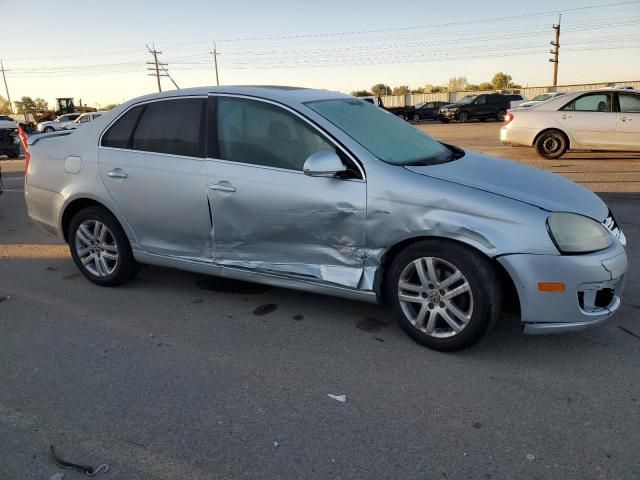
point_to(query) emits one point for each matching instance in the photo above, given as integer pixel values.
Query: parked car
(593, 120)
(402, 112)
(426, 111)
(57, 124)
(7, 122)
(543, 97)
(323, 192)
(9, 143)
(82, 119)
(481, 107)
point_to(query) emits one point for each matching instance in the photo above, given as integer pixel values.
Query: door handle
(565, 116)
(117, 173)
(625, 119)
(221, 187)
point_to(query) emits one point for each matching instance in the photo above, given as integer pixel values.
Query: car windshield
(467, 99)
(420, 105)
(383, 134)
(542, 98)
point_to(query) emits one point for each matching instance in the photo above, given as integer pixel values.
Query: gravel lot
(179, 376)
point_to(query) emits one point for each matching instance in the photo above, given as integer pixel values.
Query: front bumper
(593, 288)
(447, 114)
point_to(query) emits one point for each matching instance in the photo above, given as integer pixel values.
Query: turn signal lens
(551, 287)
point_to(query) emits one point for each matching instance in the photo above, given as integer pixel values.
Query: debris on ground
(531, 457)
(88, 469)
(340, 398)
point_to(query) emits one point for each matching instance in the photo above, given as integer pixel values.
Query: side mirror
(324, 164)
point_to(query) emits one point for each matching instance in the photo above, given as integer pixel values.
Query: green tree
(401, 90)
(485, 86)
(380, 89)
(355, 93)
(457, 84)
(41, 105)
(473, 86)
(501, 81)
(25, 105)
(437, 89)
(5, 106)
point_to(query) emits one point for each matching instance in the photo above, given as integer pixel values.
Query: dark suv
(489, 105)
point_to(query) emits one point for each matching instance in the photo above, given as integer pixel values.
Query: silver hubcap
(435, 296)
(97, 248)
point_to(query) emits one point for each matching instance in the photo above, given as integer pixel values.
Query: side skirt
(266, 278)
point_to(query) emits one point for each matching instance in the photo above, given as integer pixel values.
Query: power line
(215, 61)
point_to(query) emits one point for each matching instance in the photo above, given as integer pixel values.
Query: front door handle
(222, 187)
(625, 119)
(565, 116)
(117, 173)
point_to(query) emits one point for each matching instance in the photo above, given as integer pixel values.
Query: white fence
(529, 92)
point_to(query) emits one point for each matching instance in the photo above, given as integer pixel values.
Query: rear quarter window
(119, 134)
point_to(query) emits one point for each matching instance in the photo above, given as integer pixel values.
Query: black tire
(15, 153)
(49, 129)
(416, 118)
(484, 295)
(500, 116)
(552, 144)
(464, 117)
(124, 268)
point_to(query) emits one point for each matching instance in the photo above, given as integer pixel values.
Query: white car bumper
(517, 136)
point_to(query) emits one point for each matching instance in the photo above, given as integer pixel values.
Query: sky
(96, 51)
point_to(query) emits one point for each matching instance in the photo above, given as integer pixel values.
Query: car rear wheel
(552, 144)
(49, 129)
(445, 294)
(416, 118)
(100, 248)
(500, 116)
(464, 117)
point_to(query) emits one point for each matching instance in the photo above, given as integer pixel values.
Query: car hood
(519, 182)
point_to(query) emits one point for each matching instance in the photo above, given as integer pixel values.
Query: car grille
(611, 224)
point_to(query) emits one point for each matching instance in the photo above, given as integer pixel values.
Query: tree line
(28, 105)
(500, 81)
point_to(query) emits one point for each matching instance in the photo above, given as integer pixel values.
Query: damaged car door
(267, 214)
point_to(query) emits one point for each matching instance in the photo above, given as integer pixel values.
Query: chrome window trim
(320, 131)
(145, 102)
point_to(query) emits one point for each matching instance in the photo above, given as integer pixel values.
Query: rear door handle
(222, 187)
(117, 173)
(565, 116)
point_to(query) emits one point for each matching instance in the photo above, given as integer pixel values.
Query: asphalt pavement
(179, 376)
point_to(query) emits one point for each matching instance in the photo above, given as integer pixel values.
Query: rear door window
(594, 102)
(171, 127)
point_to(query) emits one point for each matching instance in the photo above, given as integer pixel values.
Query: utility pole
(215, 61)
(556, 51)
(6, 87)
(156, 65)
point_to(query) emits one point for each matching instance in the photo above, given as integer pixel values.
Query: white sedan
(605, 120)
(57, 124)
(82, 119)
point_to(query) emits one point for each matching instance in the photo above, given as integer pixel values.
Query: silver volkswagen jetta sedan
(320, 191)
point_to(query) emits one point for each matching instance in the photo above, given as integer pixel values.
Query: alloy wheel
(97, 248)
(435, 297)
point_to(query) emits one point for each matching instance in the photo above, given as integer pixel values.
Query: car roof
(283, 94)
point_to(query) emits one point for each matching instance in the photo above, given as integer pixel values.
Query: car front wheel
(49, 129)
(100, 248)
(552, 144)
(445, 294)
(500, 116)
(464, 117)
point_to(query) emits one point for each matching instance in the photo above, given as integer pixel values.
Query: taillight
(508, 117)
(25, 146)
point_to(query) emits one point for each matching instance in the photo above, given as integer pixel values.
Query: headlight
(573, 233)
